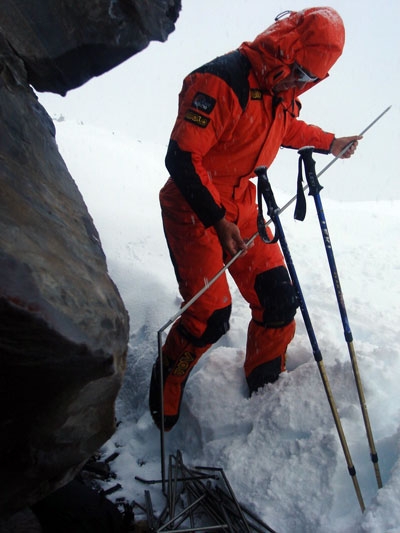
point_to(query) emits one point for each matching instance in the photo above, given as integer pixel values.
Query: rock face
(64, 43)
(63, 325)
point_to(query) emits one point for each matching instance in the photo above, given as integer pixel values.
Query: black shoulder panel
(233, 68)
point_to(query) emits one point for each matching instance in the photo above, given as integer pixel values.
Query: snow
(279, 449)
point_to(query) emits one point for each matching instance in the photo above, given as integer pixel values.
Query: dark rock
(63, 325)
(76, 508)
(24, 521)
(64, 43)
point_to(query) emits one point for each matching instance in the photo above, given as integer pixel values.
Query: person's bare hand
(338, 145)
(229, 237)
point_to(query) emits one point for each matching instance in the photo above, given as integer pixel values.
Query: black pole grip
(309, 167)
(266, 190)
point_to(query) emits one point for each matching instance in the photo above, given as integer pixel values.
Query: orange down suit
(229, 122)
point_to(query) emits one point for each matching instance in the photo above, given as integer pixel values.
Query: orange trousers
(197, 256)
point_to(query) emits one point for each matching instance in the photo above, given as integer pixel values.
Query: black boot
(155, 398)
(265, 373)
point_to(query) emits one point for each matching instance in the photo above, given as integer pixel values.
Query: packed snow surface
(280, 448)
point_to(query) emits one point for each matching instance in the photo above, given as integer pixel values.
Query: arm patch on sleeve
(197, 118)
(204, 102)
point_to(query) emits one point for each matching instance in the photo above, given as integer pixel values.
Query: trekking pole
(314, 190)
(265, 191)
(214, 279)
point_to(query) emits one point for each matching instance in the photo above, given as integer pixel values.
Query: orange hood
(313, 38)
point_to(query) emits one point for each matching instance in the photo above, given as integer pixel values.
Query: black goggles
(302, 75)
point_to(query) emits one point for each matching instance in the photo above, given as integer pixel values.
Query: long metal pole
(214, 279)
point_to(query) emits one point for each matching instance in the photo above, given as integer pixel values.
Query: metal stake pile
(200, 499)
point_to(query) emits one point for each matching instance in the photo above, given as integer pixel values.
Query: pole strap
(264, 191)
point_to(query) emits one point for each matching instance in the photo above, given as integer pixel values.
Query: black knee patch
(277, 296)
(217, 325)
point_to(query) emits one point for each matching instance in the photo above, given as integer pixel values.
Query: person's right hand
(229, 237)
(340, 144)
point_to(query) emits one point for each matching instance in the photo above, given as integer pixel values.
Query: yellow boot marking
(183, 364)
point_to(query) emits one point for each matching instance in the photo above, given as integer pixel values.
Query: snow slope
(279, 449)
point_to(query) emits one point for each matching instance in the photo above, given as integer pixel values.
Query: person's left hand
(339, 144)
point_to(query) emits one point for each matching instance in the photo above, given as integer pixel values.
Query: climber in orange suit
(234, 114)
